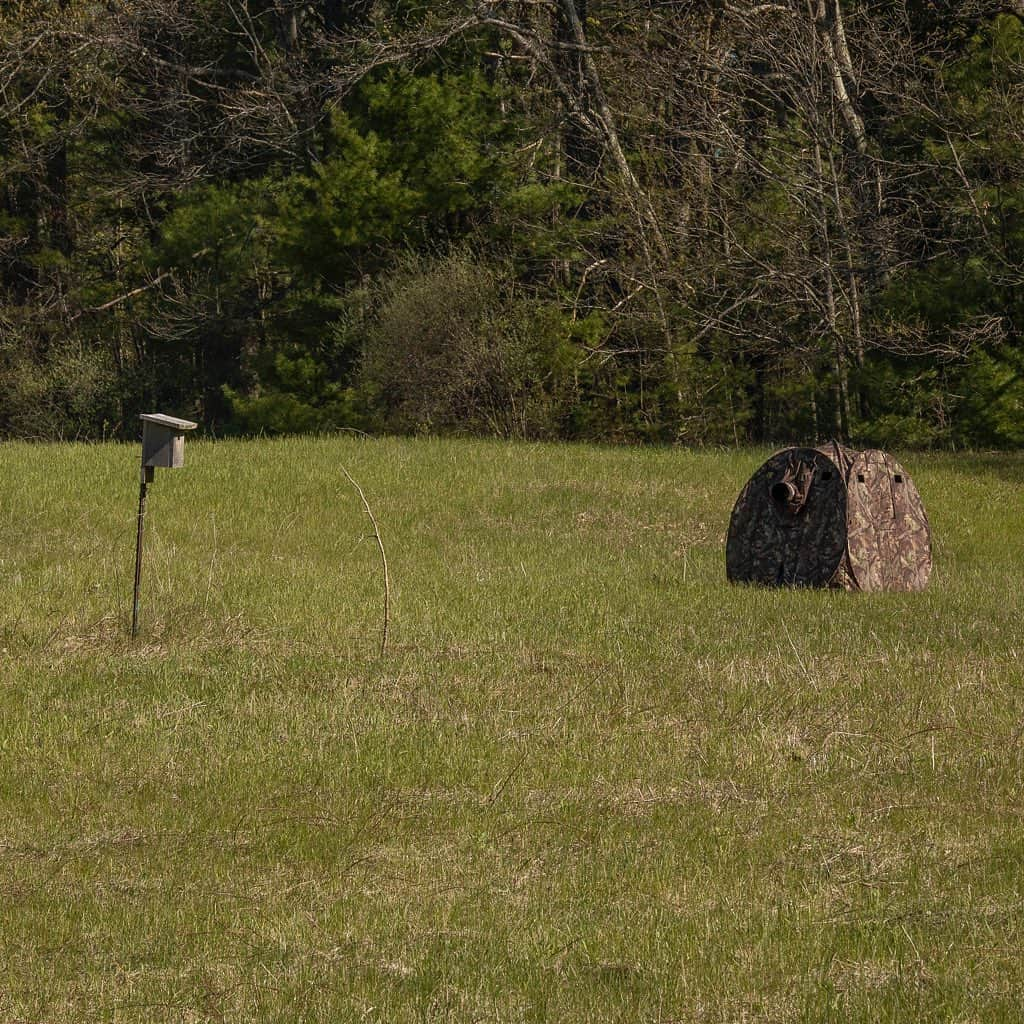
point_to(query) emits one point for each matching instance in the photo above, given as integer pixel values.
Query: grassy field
(589, 781)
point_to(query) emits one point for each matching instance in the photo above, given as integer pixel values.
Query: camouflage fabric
(841, 455)
(889, 543)
(830, 517)
(843, 578)
(788, 527)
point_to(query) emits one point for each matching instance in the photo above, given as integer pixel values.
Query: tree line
(700, 221)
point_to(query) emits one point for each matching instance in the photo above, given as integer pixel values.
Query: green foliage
(277, 255)
(993, 406)
(194, 216)
(446, 137)
(67, 393)
(324, 221)
(302, 398)
(977, 399)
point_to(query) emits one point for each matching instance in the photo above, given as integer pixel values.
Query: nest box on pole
(830, 517)
(163, 441)
(163, 447)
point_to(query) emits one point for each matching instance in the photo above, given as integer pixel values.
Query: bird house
(163, 441)
(163, 447)
(830, 517)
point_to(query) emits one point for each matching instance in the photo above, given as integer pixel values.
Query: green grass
(590, 781)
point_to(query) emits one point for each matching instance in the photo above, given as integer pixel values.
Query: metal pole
(147, 476)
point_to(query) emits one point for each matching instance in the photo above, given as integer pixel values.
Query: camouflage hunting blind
(830, 517)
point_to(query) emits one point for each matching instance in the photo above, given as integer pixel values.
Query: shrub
(72, 391)
(451, 347)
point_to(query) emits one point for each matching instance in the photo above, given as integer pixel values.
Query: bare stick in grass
(799, 660)
(383, 561)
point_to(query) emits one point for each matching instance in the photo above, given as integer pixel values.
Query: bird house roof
(170, 422)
